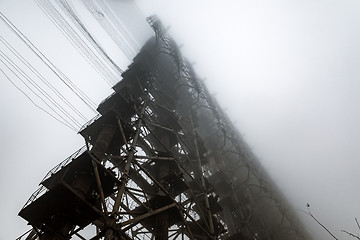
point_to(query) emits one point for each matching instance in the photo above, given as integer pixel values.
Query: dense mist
(286, 72)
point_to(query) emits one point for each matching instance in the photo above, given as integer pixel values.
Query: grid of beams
(163, 162)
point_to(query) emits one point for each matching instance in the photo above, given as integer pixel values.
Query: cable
(15, 67)
(74, 38)
(71, 127)
(52, 67)
(76, 20)
(47, 83)
(70, 34)
(118, 23)
(125, 41)
(38, 88)
(72, 11)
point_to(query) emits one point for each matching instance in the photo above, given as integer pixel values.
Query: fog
(286, 71)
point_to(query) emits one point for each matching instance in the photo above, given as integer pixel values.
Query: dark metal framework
(161, 161)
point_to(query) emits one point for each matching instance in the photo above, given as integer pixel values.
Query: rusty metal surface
(179, 171)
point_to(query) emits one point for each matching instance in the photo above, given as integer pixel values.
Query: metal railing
(64, 163)
(42, 189)
(90, 122)
(26, 234)
(39, 192)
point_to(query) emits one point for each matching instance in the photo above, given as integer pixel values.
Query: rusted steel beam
(191, 236)
(82, 198)
(79, 236)
(99, 185)
(136, 220)
(122, 132)
(160, 126)
(32, 235)
(201, 175)
(181, 167)
(162, 226)
(172, 198)
(155, 181)
(136, 199)
(124, 177)
(142, 191)
(154, 158)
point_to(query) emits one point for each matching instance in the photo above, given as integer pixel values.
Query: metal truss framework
(161, 161)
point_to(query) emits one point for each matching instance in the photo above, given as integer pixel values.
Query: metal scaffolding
(161, 161)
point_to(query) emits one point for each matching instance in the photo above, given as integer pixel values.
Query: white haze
(288, 74)
(287, 71)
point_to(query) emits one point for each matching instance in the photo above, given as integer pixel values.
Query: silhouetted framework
(161, 161)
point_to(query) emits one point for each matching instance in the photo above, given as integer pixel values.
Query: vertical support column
(162, 226)
(99, 185)
(200, 176)
(229, 221)
(162, 219)
(102, 142)
(110, 233)
(125, 175)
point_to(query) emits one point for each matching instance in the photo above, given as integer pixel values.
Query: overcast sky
(286, 71)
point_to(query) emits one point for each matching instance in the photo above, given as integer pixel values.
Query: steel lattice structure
(161, 161)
